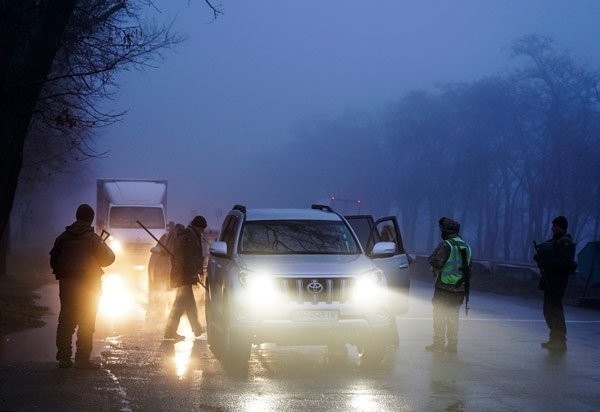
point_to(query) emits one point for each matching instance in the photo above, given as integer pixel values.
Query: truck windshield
(125, 217)
(297, 237)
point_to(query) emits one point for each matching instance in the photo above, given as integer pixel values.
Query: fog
(235, 93)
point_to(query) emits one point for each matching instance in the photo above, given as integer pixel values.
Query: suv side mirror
(218, 249)
(383, 249)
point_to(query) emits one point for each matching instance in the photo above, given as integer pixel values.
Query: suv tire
(226, 344)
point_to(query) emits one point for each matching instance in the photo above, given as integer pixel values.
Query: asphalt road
(499, 367)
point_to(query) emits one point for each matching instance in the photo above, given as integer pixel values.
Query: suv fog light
(242, 315)
(382, 314)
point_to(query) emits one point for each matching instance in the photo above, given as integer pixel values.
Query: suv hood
(344, 265)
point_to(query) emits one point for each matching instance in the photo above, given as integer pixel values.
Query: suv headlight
(368, 284)
(259, 286)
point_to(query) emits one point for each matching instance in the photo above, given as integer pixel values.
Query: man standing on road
(77, 258)
(159, 272)
(556, 260)
(186, 265)
(451, 263)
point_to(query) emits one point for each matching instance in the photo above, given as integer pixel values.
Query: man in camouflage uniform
(450, 262)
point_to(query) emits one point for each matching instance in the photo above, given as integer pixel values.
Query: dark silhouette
(77, 258)
(159, 269)
(186, 266)
(555, 258)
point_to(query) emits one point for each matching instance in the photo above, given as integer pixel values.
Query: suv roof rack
(241, 208)
(322, 207)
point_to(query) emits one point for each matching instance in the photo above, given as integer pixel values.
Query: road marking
(121, 391)
(503, 320)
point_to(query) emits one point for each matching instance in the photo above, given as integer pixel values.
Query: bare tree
(503, 154)
(559, 105)
(58, 59)
(101, 39)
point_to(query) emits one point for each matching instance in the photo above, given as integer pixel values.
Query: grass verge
(27, 271)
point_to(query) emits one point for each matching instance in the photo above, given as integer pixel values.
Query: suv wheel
(226, 344)
(237, 347)
(208, 317)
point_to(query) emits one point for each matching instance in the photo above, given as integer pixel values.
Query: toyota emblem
(314, 287)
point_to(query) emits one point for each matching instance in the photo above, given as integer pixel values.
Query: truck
(120, 204)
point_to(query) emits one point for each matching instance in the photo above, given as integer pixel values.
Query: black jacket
(556, 259)
(79, 252)
(187, 261)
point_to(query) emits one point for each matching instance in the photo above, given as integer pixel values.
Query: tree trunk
(31, 35)
(4, 249)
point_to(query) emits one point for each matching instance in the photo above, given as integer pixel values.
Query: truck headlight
(260, 287)
(114, 244)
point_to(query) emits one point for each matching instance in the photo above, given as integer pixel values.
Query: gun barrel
(154, 237)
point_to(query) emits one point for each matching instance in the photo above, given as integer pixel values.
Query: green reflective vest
(451, 273)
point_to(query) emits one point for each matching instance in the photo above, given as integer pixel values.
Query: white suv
(295, 277)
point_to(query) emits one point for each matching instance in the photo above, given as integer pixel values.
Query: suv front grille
(316, 290)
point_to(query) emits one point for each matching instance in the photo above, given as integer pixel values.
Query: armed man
(451, 265)
(556, 260)
(77, 259)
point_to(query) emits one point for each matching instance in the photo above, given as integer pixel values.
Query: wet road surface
(499, 367)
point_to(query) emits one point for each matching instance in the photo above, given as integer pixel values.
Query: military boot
(451, 347)
(435, 347)
(555, 345)
(86, 364)
(65, 363)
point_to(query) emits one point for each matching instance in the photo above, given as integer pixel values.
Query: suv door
(396, 267)
(217, 271)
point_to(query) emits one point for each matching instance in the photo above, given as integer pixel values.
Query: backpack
(171, 237)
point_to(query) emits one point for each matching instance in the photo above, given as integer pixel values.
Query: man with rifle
(451, 266)
(77, 258)
(187, 265)
(556, 260)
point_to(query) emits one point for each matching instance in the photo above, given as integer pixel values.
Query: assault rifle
(154, 237)
(543, 280)
(466, 270)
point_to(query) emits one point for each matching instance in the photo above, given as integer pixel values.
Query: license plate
(315, 315)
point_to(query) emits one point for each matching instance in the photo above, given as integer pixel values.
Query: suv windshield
(297, 237)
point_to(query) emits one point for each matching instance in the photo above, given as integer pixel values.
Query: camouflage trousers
(445, 316)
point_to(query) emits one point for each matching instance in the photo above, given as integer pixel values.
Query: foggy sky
(237, 87)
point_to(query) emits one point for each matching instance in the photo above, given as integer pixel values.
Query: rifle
(104, 235)
(543, 280)
(164, 247)
(154, 237)
(466, 269)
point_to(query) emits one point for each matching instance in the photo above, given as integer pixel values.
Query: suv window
(297, 237)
